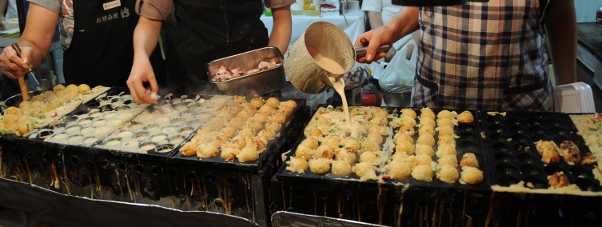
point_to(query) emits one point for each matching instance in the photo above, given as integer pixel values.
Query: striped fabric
(484, 56)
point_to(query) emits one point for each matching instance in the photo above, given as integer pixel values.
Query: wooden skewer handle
(23, 87)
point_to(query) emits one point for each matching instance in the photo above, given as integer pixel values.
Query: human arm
(561, 30)
(403, 23)
(282, 29)
(35, 42)
(375, 19)
(3, 5)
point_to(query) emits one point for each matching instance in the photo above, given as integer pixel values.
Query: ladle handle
(361, 51)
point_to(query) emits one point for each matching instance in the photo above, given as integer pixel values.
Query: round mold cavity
(507, 169)
(129, 144)
(538, 130)
(469, 145)
(42, 134)
(541, 137)
(506, 181)
(588, 185)
(121, 107)
(514, 121)
(141, 135)
(110, 115)
(89, 140)
(99, 123)
(555, 122)
(528, 158)
(116, 100)
(524, 147)
(88, 130)
(61, 136)
(520, 138)
(496, 128)
(179, 104)
(495, 120)
(177, 121)
(70, 119)
(499, 137)
(123, 134)
(466, 128)
(73, 129)
(559, 131)
(536, 182)
(534, 122)
(150, 127)
(95, 115)
(162, 120)
(164, 148)
(85, 121)
(145, 118)
(105, 107)
(158, 137)
(189, 113)
(503, 157)
(135, 125)
(518, 129)
(581, 172)
(75, 138)
(531, 170)
(175, 139)
(125, 116)
(195, 106)
(113, 142)
(95, 110)
(185, 130)
(195, 122)
(551, 169)
(148, 146)
(469, 136)
(168, 129)
(502, 147)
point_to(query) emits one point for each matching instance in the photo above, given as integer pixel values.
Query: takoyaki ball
(297, 165)
(258, 126)
(249, 109)
(352, 144)
(313, 132)
(380, 120)
(341, 168)
(404, 129)
(400, 137)
(286, 110)
(426, 139)
(324, 151)
(399, 170)
(428, 122)
(278, 117)
(12, 111)
(304, 151)
(447, 122)
(422, 173)
(378, 129)
(244, 115)
(259, 117)
(256, 102)
(369, 157)
(400, 156)
(273, 102)
(229, 153)
(311, 142)
(236, 123)
(375, 137)
(23, 104)
(371, 146)
(424, 149)
(320, 165)
(445, 149)
(332, 141)
(423, 159)
(446, 139)
(50, 105)
(469, 159)
(365, 171)
(247, 132)
(273, 126)
(248, 154)
(217, 122)
(266, 110)
(48, 93)
(58, 87)
(72, 93)
(445, 131)
(427, 113)
(450, 159)
(465, 117)
(471, 175)
(228, 132)
(266, 134)
(238, 100)
(259, 143)
(290, 103)
(25, 127)
(39, 98)
(408, 112)
(426, 130)
(345, 154)
(71, 87)
(447, 173)
(83, 88)
(446, 114)
(239, 141)
(405, 146)
(207, 150)
(380, 112)
(408, 121)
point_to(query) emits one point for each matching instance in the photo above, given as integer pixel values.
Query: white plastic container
(574, 98)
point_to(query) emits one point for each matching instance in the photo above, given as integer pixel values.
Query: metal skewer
(18, 50)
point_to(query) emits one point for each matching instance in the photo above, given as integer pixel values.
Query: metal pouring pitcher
(329, 41)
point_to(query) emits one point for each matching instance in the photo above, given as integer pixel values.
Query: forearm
(375, 19)
(281, 32)
(146, 35)
(38, 33)
(561, 29)
(404, 22)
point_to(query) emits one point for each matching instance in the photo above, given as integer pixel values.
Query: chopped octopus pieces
(224, 74)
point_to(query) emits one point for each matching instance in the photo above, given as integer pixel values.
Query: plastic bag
(399, 75)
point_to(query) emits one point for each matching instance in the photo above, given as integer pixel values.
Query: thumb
(26, 55)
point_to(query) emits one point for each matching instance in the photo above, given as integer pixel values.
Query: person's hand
(13, 66)
(142, 72)
(377, 37)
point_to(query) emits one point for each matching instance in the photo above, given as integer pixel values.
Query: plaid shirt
(484, 56)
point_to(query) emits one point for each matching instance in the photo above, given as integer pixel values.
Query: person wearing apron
(488, 55)
(95, 34)
(205, 31)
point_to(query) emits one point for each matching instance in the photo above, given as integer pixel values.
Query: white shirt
(387, 9)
